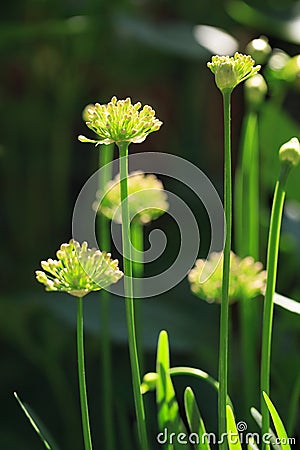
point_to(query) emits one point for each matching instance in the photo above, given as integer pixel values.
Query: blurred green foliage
(56, 57)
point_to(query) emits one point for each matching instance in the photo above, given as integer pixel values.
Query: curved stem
(272, 259)
(105, 157)
(223, 348)
(198, 373)
(81, 376)
(127, 260)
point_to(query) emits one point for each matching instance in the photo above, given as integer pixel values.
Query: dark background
(56, 57)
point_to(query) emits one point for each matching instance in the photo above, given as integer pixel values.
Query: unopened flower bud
(149, 382)
(255, 90)
(290, 152)
(259, 49)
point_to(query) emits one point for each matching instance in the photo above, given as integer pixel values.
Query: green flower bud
(290, 152)
(230, 71)
(247, 279)
(259, 49)
(149, 382)
(78, 270)
(120, 121)
(147, 199)
(255, 90)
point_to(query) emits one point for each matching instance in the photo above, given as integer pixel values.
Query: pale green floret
(230, 71)
(255, 90)
(147, 199)
(78, 270)
(247, 279)
(120, 121)
(290, 152)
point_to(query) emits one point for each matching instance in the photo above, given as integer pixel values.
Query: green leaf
(281, 433)
(37, 425)
(168, 411)
(251, 444)
(194, 419)
(287, 303)
(232, 432)
(258, 419)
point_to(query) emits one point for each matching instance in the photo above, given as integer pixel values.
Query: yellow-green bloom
(147, 199)
(247, 278)
(120, 121)
(230, 71)
(78, 270)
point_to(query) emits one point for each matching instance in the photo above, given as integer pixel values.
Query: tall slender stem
(137, 239)
(81, 376)
(272, 259)
(127, 260)
(247, 244)
(105, 157)
(223, 349)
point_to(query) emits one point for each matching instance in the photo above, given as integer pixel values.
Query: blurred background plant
(56, 58)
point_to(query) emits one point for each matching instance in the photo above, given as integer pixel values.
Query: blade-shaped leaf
(258, 419)
(232, 432)
(169, 420)
(38, 426)
(251, 444)
(195, 421)
(287, 303)
(279, 427)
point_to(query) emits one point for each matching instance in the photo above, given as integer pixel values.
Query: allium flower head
(229, 71)
(247, 279)
(147, 199)
(78, 270)
(120, 121)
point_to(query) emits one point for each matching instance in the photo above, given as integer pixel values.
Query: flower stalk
(82, 381)
(128, 285)
(289, 155)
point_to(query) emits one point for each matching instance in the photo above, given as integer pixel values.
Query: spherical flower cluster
(247, 279)
(78, 270)
(230, 71)
(147, 199)
(120, 121)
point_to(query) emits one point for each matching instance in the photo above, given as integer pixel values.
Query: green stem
(223, 349)
(127, 261)
(272, 259)
(137, 239)
(247, 244)
(293, 408)
(81, 376)
(105, 157)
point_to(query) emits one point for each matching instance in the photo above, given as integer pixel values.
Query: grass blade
(279, 427)
(168, 410)
(37, 425)
(232, 432)
(287, 303)
(251, 444)
(258, 419)
(194, 419)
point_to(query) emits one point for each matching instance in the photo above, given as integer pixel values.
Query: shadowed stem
(247, 244)
(272, 259)
(127, 260)
(137, 239)
(223, 348)
(105, 157)
(81, 376)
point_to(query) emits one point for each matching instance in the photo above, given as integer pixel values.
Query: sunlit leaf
(287, 303)
(232, 432)
(281, 433)
(37, 425)
(258, 419)
(194, 419)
